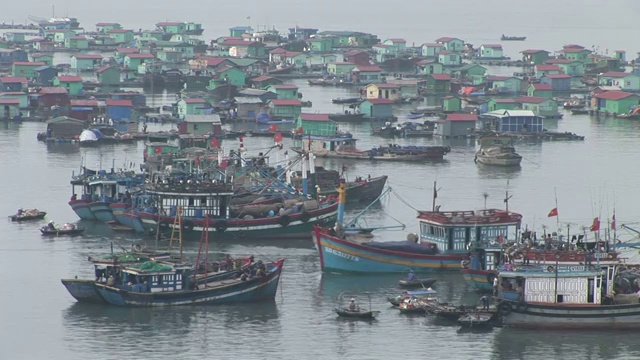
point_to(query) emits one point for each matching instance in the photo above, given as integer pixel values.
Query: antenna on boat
(435, 196)
(506, 197)
(485, 195)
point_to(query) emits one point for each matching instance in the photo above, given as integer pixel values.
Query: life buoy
(522, 307)
(550, 269)
(163, 224)
(187, 226)
(305, 217)
(136, 247)
(221, 226)
(490, 278)
(284, 220)
(505, 309)
(592, 267)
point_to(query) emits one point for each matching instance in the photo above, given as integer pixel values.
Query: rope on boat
(403, 201)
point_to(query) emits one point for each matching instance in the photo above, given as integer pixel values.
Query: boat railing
(199, 187)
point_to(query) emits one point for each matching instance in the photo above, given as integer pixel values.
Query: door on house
(7, 113)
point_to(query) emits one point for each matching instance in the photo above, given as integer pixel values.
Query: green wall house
(502, 104)
(426, 67)
(535, 57)
(451, 44)
(491, 51)
(191, 106)
(399, 45)
(108, 76)
(449, 58)
(377, 108)
(261, 82)
(172, 27)
(238, 31)
(546, 69)
(9, 108)
(365, 74)
(473, 72)
(73, 84)
(105, 27)
(59, 36)
(76, 42)
(350, 38)
(576, 53)
(626, 81)
(569, 67)
(16, 37)
(285, 109)
(451, 104)
(340, 68)
(540, 90)
(241, 48)
(316, 124)
(121, 52)
(438, 83)
(187, 50)
(170, 56)
(132, 61)
(25, 69)
(231, 75)
(22, 97)
(540, 106)
(47, 59)
(151, 34)
(431, 50)
(505, 84)
(616, 102)
(121, 36)
(320, 44)
(85, 61)
(284, 91)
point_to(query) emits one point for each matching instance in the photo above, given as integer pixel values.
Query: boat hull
(338, 255)
(102, 211)
(543, 316)
(238, 291)
(20, 218)
(264, 229)
(479, 279)
(118, 210)
(363, 191)
(83, 290)
(81, 208)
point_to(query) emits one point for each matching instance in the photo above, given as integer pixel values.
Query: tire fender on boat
(505, 309)
(221, 226)
(550, 268)
(305, 217)
(136, 247)
(522, 307)
(187, 225)
(284, 220)
(592, 267)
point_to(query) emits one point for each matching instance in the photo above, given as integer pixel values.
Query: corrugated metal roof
(210, 118)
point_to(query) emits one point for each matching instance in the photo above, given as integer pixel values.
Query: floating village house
(502, 104)
(545, 69)
(426, 67)
(408, 87)
(262, 81)
(491, 51)
(559, 82)
(384, 52)
(576, 52)
(316, 124)
(9, 108)
(241, 48)
(264, 95)
(438, 83)
(366, 74)
(118, 110)
(320, 44)
(340, 69)
(73, 84)
(350, 38)
(105, 27)
(379, 109)
(626, 81)
(108, 76)
(248, 108)
(450, 43)
(85, 61)
(200, 125)
(511, 121)
(47, 59)
(540, 90)
(456, 125)
(42, 45)
(357, 57)
(289, 109)
(431, 50)
(615, 102)
(21, 96)
(64, 127)
(59, 36)
(133, 61)
(540, 106)
(13, 83)
(505, 84)
(76, 42)
(535, 57)
(227, 75)
(16, 37)
(45, 74)
(169, 56)
(191, 106)
(9, 56)
(84, 109)
(300, 33)
(451, 104)
(25, 69)
(284, 91)
(569, 67)
(473, 72)
(449, 58)
(122, 36)
(238, 31)
(382, 91)
(121, 52)
(48, 97)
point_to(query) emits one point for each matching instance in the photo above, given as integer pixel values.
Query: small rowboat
(346, 313)
(476, 320)
(28, 215)
(408, 284)
(412, 309)
(67, 229)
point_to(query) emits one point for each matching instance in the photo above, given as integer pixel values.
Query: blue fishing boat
(440, 246)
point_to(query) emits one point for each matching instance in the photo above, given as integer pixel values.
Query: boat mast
(341, 202)
(435, 195)
(507, 197)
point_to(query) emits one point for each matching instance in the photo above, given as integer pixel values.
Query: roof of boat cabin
(471, 218)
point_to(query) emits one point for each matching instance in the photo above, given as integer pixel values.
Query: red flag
(277, 137)
(300, 130)
(596, 224)
(553, 212)
(273, 127)
(241, 138)
(214, 142)
(613, 221)
(223, 165)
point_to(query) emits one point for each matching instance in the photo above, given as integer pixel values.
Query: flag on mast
(613, 221)
(553, 212)
(596, 224)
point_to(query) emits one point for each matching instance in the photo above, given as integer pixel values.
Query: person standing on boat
(485, 302)
(411, 276)
(20, 212)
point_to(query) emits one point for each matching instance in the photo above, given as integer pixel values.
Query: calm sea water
(40, 320)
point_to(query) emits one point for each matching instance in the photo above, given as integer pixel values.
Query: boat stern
(83, 290)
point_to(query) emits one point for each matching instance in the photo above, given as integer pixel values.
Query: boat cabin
(316, 143)
(159, 148)
(458, 231)
(578, 286)
(196, 197)
(155, 276)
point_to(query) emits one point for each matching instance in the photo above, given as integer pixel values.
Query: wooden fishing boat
(352, 310)
(360, 190)
(423, 296)
(512, 38)
(410, 284)
(346, 313)
(477, 320)
(66, 229)
(28, 215)
(497, 151)
(581, 111)
(352, 100)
